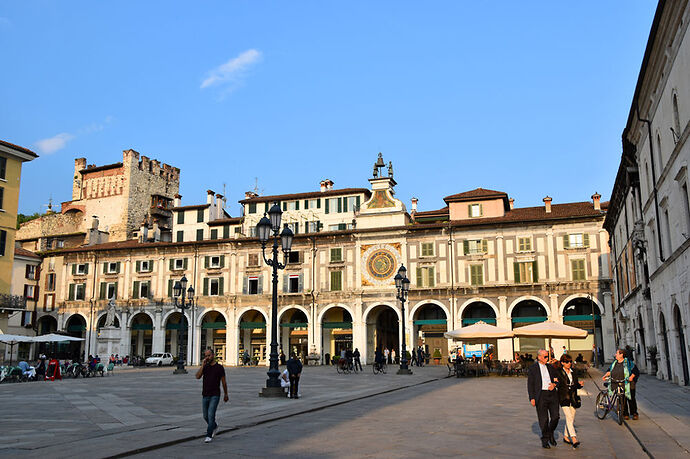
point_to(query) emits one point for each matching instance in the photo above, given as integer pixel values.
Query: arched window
(676, 118)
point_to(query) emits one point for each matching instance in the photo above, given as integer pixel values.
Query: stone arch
(320, 315)
(371, 307)
(47, 318)
(478, 299)
(529, 297)
(421, 303)
(243, 311)
(69, 317)
(565, 302)
(167, 315)
(134, 314)
(292, 306)
(200, 319)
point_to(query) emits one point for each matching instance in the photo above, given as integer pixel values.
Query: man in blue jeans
(213, 374)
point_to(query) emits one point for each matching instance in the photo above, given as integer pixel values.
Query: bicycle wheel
(339, 368)
(383, 368)
(601, 409)
(374, 368)
(619, 409)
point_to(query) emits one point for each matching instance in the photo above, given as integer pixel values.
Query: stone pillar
(231, 348)
(505, 346)
(550, 255)
(500, 259)
(158, 341)
(608, 341)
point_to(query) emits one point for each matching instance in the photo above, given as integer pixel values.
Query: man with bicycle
(623, 369)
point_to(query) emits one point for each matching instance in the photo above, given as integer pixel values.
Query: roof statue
(390, 169)
(378, 165)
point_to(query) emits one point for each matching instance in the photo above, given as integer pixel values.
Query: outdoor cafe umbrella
(12, 340)
(478, 331)
(54, 338)
(550, 329)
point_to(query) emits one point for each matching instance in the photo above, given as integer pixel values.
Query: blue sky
(524, 97)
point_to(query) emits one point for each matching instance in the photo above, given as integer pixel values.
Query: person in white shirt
(285, 381)
(542, 380)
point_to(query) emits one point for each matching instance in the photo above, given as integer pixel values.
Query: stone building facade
(478, 258)
(121, 196)
(649, 216)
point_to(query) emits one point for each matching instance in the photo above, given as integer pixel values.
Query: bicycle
(343, 366)
(606, 402)
(379, 367)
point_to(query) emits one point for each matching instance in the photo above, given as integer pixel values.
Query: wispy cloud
(53, 144)
(231, 74)
(59, 141)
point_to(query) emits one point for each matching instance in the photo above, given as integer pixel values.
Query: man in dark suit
(542, 380)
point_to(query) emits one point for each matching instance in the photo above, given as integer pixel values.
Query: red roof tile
(18, 251)
(478, 193)
(17, 147)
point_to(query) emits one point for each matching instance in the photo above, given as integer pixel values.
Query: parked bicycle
(609, 402)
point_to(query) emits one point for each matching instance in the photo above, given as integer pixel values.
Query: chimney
(596, 199)
(512, 203)
(220, 205)
(178, 200)
(329, 184)
(323, 185)
(144, 232)
(210, 194)
(156, 232)
(414, 205)
(250, 194)
(547, 203)
(94, 223)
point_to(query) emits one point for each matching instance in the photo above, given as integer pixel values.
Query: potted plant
(334, 359)
(652, 350)
(437, 356)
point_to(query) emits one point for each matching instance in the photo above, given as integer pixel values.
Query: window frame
(211, 263)
(331, 252)
(77, 288)
(255, 280)
(111, 268)
(427, 245)
(473, 274)
(339, 274)
(520, 246)
(582, 269)
(81, 269)
(291, 278)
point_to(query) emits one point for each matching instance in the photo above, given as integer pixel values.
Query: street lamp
(186, 300)
(266, 229)
(402, 284)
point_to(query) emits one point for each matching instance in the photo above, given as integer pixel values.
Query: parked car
(160, 360)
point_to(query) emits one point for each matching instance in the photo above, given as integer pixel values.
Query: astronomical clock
(380, 262)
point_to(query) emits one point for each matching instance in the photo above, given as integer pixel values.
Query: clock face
(381, 264)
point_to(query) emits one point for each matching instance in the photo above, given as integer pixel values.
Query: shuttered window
(427, 249)
(199, 215)
(336, 255)
(577, 267)
(180, 217)
(526, 272)
(477, 274)
(524, 244)
(180, 236)
(426, 276)
(336, 281)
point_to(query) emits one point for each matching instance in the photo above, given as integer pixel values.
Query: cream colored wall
(490, 208)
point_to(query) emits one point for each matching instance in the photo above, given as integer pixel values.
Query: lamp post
(402, 284)
(184, 299)
(267, 228)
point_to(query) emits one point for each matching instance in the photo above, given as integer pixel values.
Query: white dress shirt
(545, 377)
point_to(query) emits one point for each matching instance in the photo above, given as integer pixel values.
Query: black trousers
(630, 407)
(294, 385)
(547, 413)
(358, 363)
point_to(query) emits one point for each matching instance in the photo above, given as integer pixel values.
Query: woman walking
(568, 384)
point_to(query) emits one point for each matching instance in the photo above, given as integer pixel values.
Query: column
(505, 345)
(231, 348)
(158, 341)
(550, 256)
(607, 338)
(500, 260)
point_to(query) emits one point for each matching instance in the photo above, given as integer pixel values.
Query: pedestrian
(294, 368)
(285, 382)
(282, 357)
(387, 355)
(542, 380)
(349, 356)
(623, 369)
(358, 362)
(564, 351)
(594, 355)
(393, 356)
(568, 384)
(413, 359)
(213, 374)
(420, 356)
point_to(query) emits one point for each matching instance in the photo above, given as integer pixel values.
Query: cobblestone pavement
(337, 416)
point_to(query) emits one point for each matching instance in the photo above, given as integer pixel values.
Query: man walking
(358, 362)
(213, 374)
(294, 368)
(541, 381)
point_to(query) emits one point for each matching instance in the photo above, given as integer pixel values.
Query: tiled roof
(225, 221)
(312, 194)
(100, 168)
(478, 193)
(18, 251)
(198, 206)
(17, 147)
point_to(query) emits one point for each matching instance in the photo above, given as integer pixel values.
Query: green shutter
(180, 217)
(170, 287)
(172, 264)
(420, 277)
(344, 204)
(481, 210)
(199, 215)
(318, 203)
(469, 210)
(466, 247)
(185, 263)
(297, 205)
(328, 205)
(105, 267)
(74, 269)
(71, 292)
(340, 205)
(357, 202)
(431, 272)
(135, 290)
(306, 204)
(103, 290)
(284, 206)
(214, 234)
(117, 269)
(566, 242)
(86, 268)
(226, 231)
(535, 271)
(205, 286)
(151, 263)
(115, 294)
(222, 261)
(485, 246)
(516, 272)
(220, 286)
(585, 239)
(138, 266)
(206, 262)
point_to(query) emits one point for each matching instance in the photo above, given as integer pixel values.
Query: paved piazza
(151, 413)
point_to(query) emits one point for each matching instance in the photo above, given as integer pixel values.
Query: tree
(21, 218)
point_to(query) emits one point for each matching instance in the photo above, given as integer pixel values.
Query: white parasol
(54, 338)
(550, 329)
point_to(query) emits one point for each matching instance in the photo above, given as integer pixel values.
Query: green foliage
(437, 353)
(21, 218)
